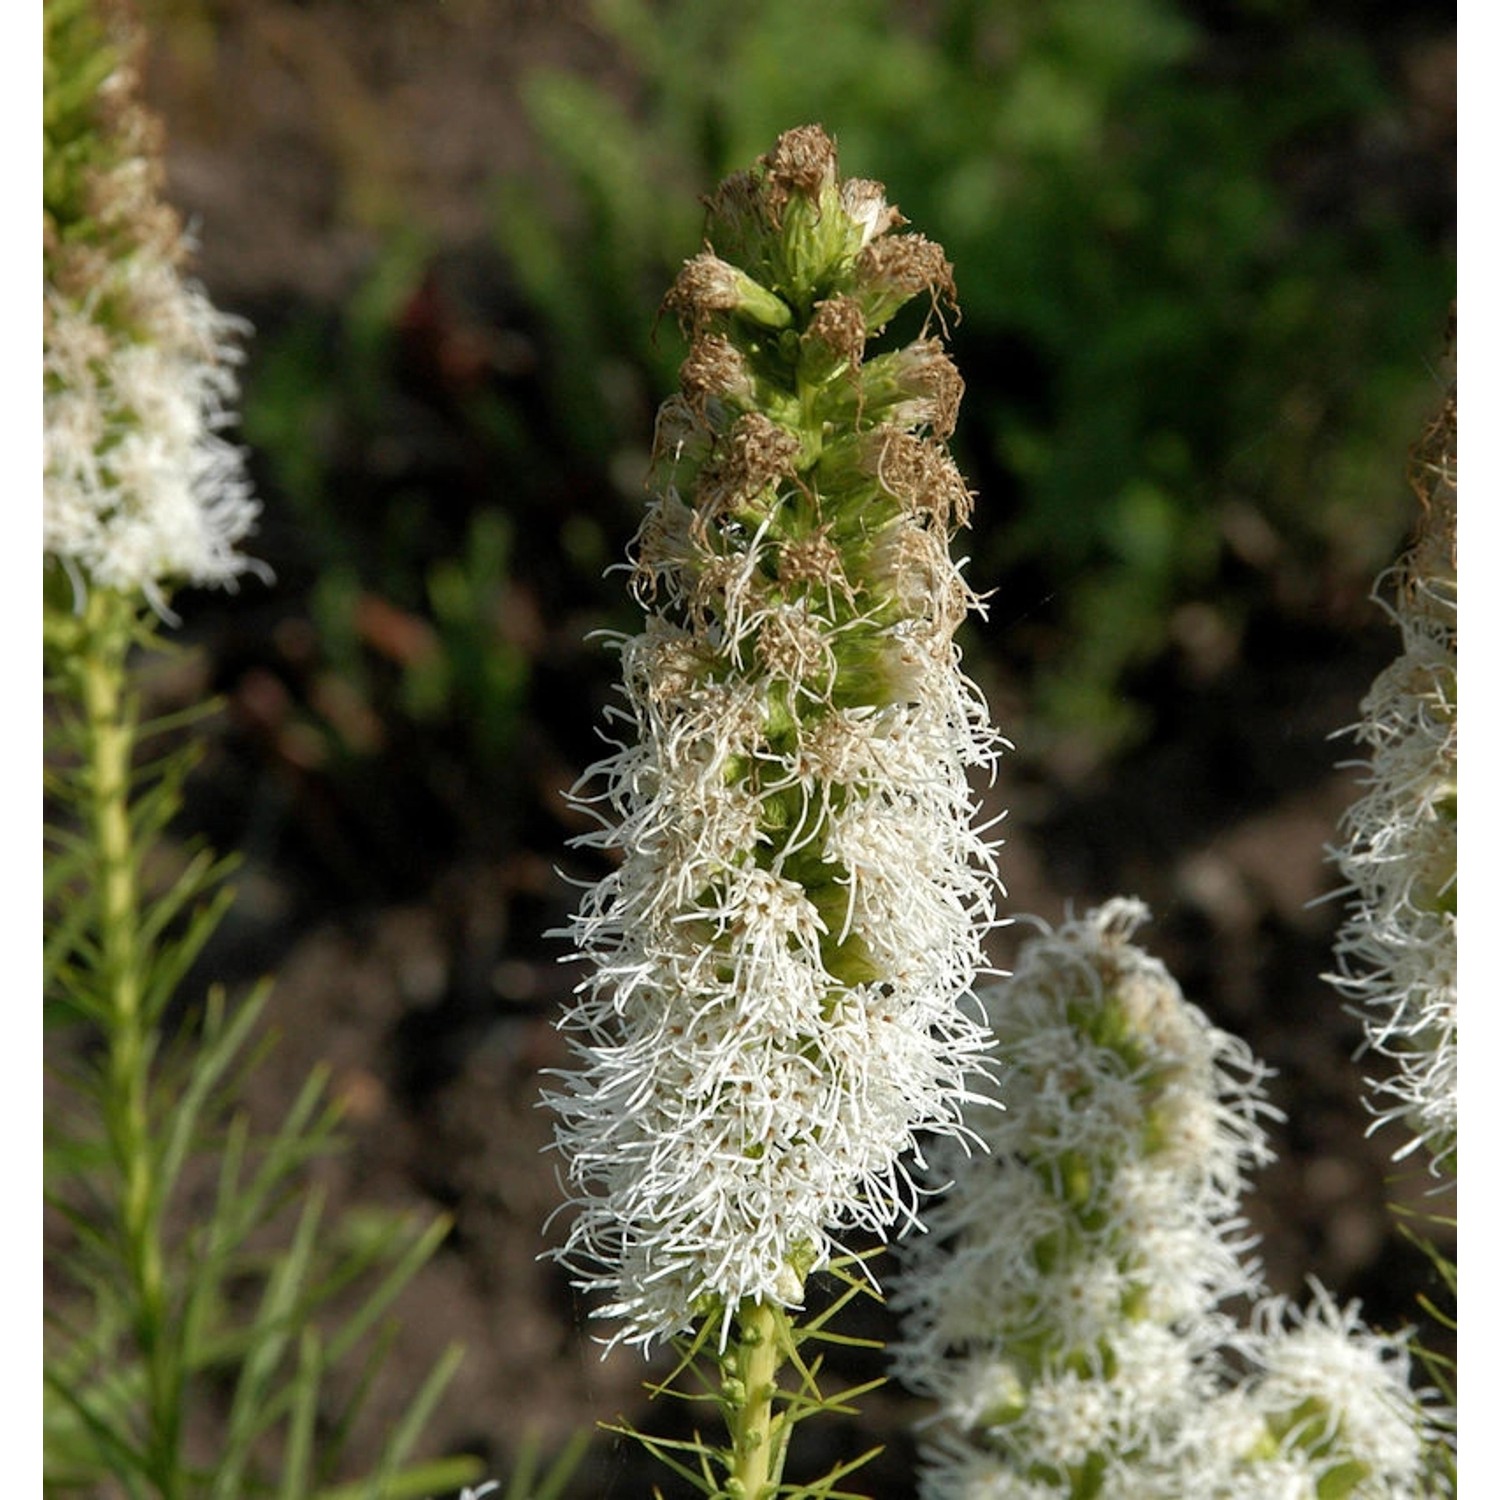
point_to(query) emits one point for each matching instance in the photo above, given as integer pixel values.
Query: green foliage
(1440, 1307)
(1167, 323)
(201, 1300)
(1197, 323)
(529, 1480)
(407, 588)
(733, 1364)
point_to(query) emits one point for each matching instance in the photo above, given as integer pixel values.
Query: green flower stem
(110, 719)
(758, 1434)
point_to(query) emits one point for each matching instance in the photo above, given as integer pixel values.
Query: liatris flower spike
(1398, 948)
(142, 491)
(780, 964)
(1066, 1309)
(202, 1311)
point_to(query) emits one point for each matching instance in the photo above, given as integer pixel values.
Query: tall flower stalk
(168, 1211)
(141, 492)
(1398, 947)
(779, 962)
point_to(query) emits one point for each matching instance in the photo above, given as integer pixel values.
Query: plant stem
(758, 1434)
(110, 735)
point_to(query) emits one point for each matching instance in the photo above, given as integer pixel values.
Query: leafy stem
(110, 724)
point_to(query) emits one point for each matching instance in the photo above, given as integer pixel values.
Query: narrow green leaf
(124, 1460)
(417, 1255)
(221, 1044)
(296, 1466)
(248, 1416)
(558, 1473)
(420, 1482)
(408, 1430)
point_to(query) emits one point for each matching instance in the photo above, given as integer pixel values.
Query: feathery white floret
(142, 490)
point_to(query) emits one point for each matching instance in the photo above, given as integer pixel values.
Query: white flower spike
(1066, 1309)
(142, 490)
(780, 965)
(1398, 948)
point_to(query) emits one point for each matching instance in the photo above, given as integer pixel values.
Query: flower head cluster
(1398, 949)
(141, 489)
(1065, 1310)
(780, 962)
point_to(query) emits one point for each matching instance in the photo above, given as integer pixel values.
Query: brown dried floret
(927, 385)
(895, 268)
(725, 590)
(805, 161)
(922, 475)
(714, 367)
(793, 645)
(1433, 473)
(813, 560)
(708, 288)
(839, 325)
(704, 284)
(754, 454)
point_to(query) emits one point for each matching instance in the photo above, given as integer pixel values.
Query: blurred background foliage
(1195, 316)
(1204, 269)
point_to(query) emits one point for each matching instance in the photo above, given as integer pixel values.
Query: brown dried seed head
(705, 284)
(1433, 473)
(708, 288)
(906, 264)
(840, 325)
(760, 451)
(714, 367)
(932, 386)
(724, 590)
(804, 160)
(812, 560)
(922, 475)
(791, 644)
(755, 453)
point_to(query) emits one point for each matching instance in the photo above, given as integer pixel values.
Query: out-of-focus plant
(1070, 1309)
(210, 1330)
(407, 476)
(529, 1478)
(1398, 948)
(1191, 341)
